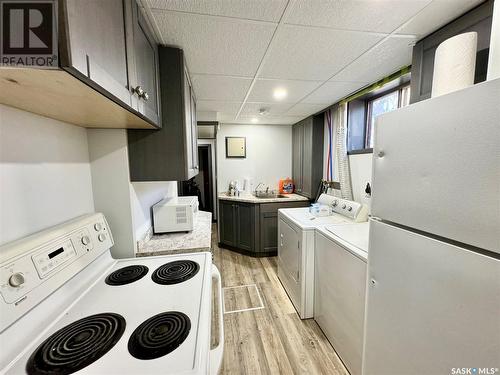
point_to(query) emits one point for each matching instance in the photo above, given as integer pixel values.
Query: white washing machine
(339, 288)
(296, 228)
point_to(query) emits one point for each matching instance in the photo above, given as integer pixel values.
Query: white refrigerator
(433, 283)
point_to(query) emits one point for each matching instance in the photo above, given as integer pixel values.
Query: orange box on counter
(286, 186)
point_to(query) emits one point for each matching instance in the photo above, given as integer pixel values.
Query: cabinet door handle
(145, 96)
(138, 90)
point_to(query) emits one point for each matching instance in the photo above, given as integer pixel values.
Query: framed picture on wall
(236, 147)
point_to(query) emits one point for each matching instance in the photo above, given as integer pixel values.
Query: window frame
(369, 98)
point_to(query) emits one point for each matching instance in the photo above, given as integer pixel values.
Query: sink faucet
(257, 187)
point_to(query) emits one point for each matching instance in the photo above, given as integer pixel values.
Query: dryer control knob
(101, 237)
(97, 227)
(16, 280)
(349, 208)
(344, 206)
(85, 240)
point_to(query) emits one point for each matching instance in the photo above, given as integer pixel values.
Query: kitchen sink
(270, 195)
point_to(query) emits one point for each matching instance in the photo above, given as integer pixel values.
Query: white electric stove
(68, 307)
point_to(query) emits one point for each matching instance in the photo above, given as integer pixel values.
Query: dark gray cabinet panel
(251, 228)
(166, 154)
(108, 45)
(245, 214)
(297, 144)
(144, 78)
(307, 155)
(269, 232)
(105, 62)
(227, 223)
(478, 20)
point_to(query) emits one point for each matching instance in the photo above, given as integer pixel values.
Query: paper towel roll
(454, 64)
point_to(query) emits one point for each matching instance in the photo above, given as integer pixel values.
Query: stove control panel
(36, 266)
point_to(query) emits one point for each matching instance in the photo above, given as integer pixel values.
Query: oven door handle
(217, 352)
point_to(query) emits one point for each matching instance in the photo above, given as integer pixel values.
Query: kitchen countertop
(253, 199)
(198, 240)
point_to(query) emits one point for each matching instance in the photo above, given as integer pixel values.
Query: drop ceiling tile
(210, 87)
(276, 108)
(218, 106)
(225, 117)
(364, 15)
(214, 45)
(307, 53)
(436, 15)
(385, 59)
(264, 10)
(267, 120)
(263, 89)
(306, 109)
(332, 92)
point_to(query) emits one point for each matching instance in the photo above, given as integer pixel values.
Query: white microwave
(175, 214)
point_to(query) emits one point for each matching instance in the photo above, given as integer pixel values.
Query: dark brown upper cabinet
(108, 69)
(144, 67)
(307, 155)
(170, 153)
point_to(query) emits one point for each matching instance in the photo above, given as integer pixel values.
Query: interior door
(431, 306)
(289, 250)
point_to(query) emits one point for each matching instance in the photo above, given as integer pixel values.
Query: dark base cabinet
(251, 228)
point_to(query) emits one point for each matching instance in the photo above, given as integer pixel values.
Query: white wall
(45, 174)
(361, 173)
(268, 155)
(110, 181)
(126, 205)
(142, 196)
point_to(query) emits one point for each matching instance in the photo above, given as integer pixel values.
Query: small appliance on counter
(233, 188)
(175, 214)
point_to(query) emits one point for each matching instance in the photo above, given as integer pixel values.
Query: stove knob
(16, 280)
(343, 206)
(97, 227)
(349, 208)
(85, 240)
(102, 237)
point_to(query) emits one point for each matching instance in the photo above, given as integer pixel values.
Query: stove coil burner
(126, 275)
(159, 335)
(175, 272)
(77, 345)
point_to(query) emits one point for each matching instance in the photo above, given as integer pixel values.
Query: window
(364, 111)
(383, 104)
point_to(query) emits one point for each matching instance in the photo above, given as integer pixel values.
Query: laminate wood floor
(272, 340)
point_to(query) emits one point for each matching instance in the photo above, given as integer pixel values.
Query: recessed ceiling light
(279, 93)
(254, 120)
